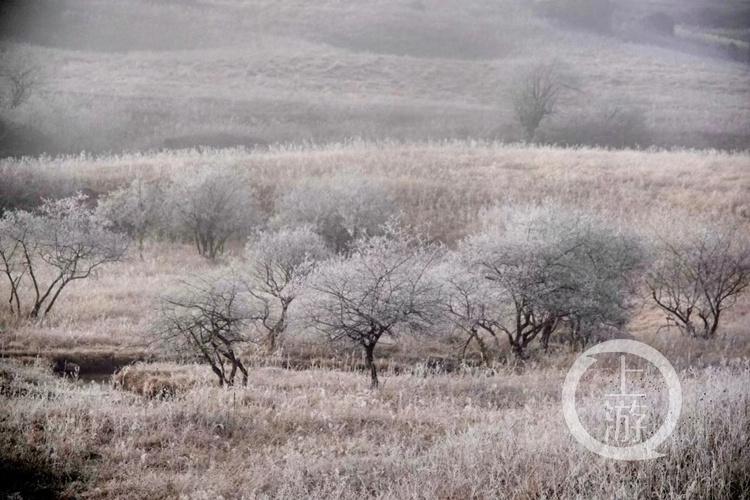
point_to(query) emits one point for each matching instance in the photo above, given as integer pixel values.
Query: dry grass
(440, 188)
(316, 431)
(320, 434)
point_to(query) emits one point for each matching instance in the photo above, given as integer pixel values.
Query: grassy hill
(134, 75)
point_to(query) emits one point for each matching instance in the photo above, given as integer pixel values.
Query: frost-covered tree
(381, 288)
(137, 209)
(210, 206)
(62, 242)
(341, 208)
(207, 319)
(697, 273)
(277, 264)
(531, 272)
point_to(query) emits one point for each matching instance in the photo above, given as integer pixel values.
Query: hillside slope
(132, 74)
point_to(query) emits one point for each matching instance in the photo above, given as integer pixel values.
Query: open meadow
(402, 249)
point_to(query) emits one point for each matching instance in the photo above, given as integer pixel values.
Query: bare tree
(470, 304)
(532, 272)
(137, 209)
(278, 263)
(381, 289)
(535, 96)
(14, 246)
(20, 78)
(210, 207)
(61, 243)
(208, 319)
(699, 273)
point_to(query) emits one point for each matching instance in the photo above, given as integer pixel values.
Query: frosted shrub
(211, 206)
(340, 209)
(137, 209)
(533, 272)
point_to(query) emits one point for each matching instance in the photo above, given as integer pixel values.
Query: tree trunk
(370, 364)
(244, 372)
(518, 350)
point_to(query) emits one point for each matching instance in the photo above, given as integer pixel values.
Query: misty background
(134, 75)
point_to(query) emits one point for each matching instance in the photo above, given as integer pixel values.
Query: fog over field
(394, 249)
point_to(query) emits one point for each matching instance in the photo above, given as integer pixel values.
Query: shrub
(340, 209)
(210, 207)
(533, 272)
(136, 209)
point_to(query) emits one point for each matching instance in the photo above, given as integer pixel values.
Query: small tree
(64, 242)
(137, 209)
(699, 273)
(20, 78)
(380, 289)
(341, 209)
(278, 263)
(210, 207)
(14, 247)
(535, 96)
(471, 304)
(207, 319)
(535, 271)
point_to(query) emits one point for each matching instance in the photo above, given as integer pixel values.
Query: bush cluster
(335, 260)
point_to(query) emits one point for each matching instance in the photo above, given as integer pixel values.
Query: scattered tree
(698, 274)
(535, 96)
(380, 289)
(537, 271)
(211, 207)
(20, 78)
(207, 319)
(278, 264)
(63, 242)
